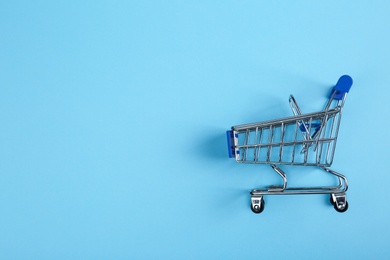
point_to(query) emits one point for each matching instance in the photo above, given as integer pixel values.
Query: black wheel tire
(258, 209)
(343, 209)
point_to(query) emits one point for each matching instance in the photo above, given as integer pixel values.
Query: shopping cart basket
(302, 139)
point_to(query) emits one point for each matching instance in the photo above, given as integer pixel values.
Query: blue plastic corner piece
(314, 126)
(343, 86)
(230, 143)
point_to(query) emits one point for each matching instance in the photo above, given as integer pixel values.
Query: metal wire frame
(249, 139)
(277, 142)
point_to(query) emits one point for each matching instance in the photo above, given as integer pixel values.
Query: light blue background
(113, 117)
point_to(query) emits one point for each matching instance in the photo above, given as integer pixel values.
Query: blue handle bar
(343, 86)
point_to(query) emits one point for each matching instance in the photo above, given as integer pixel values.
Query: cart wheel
(258, 209)
(331, 200)
(343, 209)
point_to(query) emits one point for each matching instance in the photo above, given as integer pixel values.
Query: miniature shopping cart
(302, 139)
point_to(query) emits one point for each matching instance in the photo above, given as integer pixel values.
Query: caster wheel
(258, 209)
(331, 200)
(341, 210)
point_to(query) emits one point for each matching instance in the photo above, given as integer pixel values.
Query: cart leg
(342, 179)
(281, 173)
(257, 204)
(339, 201)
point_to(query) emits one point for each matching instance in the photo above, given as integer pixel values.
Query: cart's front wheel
(258, 209)
(331, 200)
(341, 209)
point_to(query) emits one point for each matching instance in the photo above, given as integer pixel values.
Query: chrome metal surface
(340, 201)
(277, 142)
(257, 204)
(283, 190)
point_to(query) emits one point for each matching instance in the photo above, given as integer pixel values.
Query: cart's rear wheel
(331, 200)
(258, 209)
(343, 209)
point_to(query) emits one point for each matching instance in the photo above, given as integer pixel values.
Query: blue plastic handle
(343, 86)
